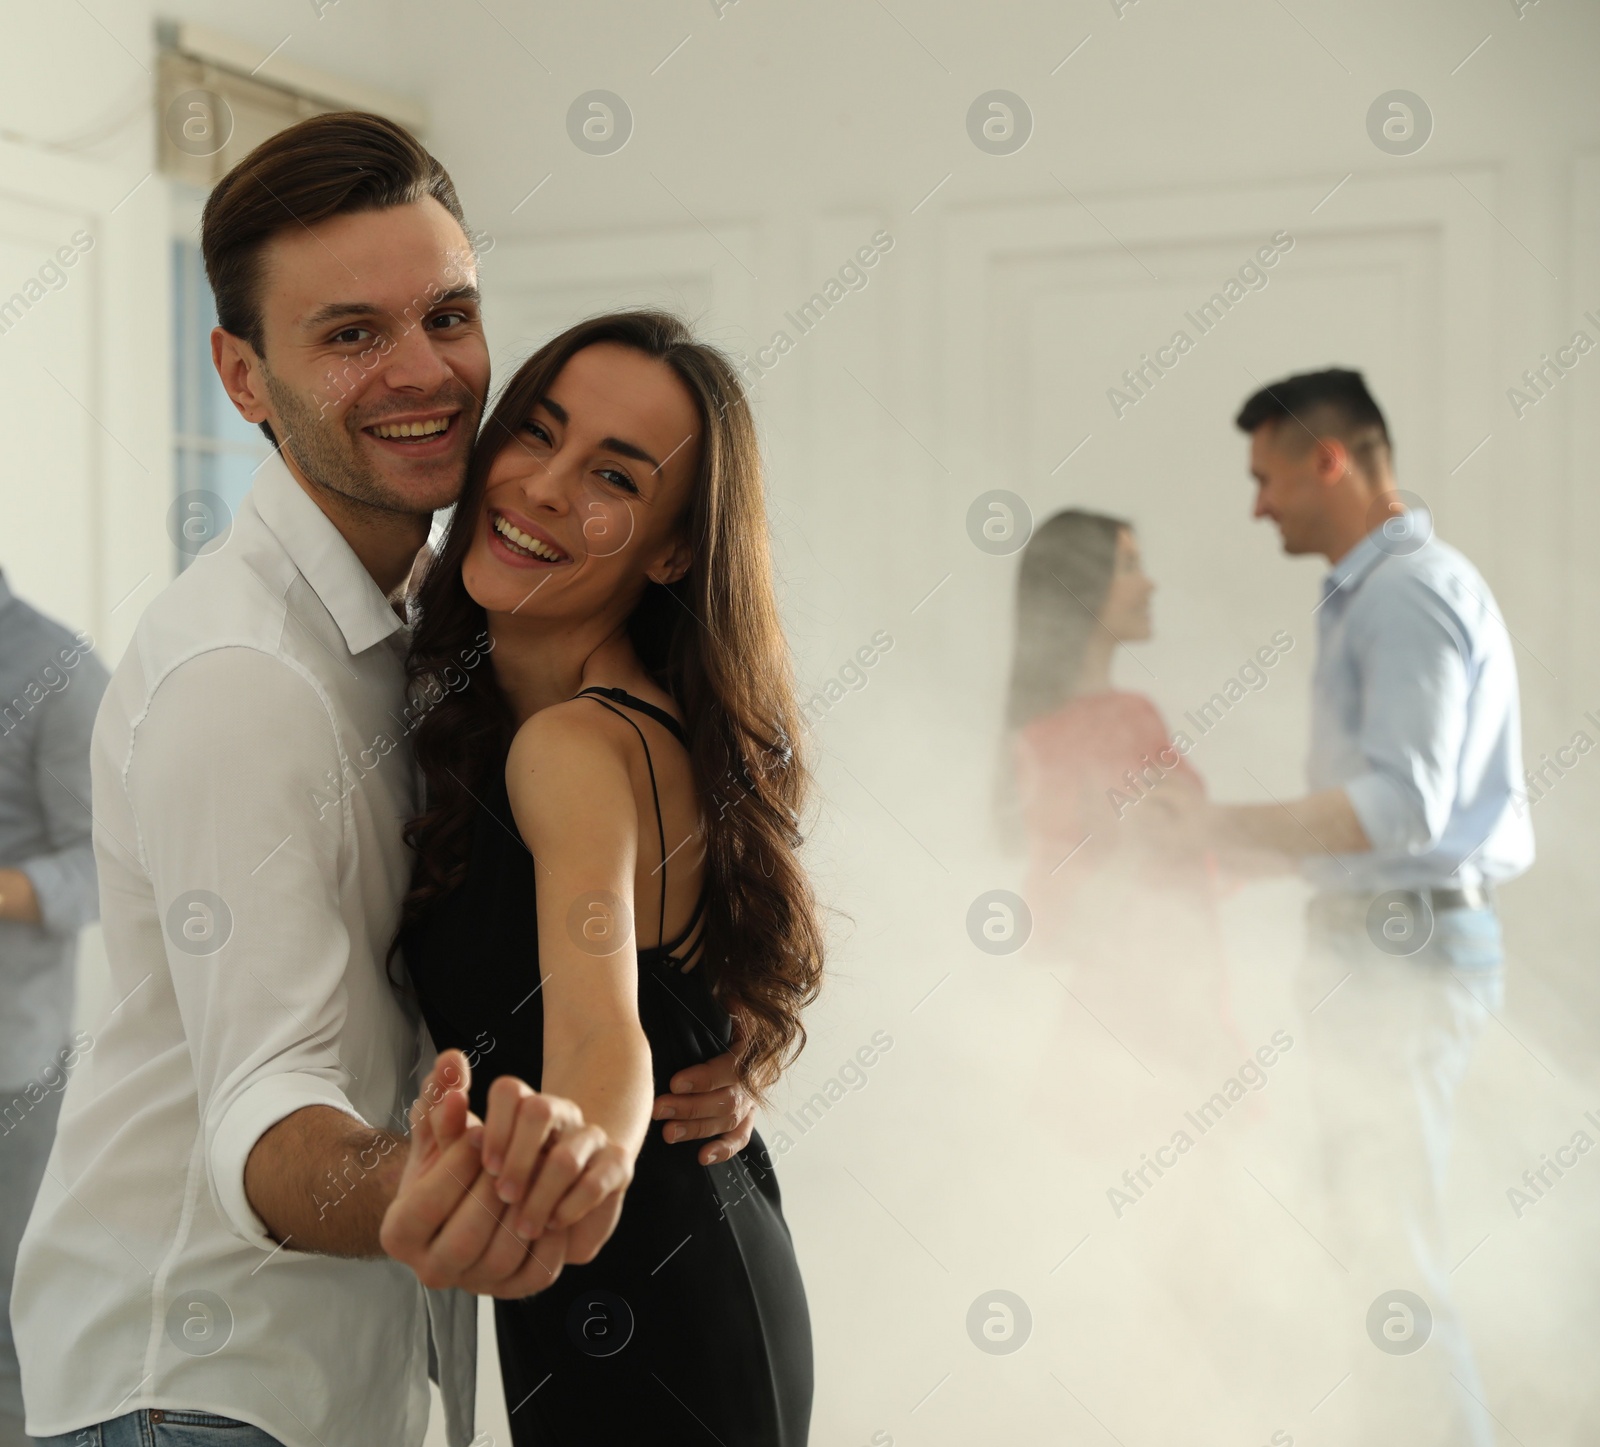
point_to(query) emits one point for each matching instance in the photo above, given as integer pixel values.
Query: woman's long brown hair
(712, 640)
(1061, 588)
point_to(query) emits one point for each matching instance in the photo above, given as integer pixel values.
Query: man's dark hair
(1310, 405)
(325, 166)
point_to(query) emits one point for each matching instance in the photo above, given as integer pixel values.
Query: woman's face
(583, 504)
(1126, 611)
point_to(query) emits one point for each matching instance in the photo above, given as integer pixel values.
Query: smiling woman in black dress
(607, 882)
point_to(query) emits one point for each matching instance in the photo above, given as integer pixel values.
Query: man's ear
(241, 371)
(1331, 460)
(674, 565)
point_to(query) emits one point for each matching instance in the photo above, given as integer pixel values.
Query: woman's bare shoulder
(568, 737)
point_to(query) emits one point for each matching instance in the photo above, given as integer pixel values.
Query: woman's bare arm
(574, 805)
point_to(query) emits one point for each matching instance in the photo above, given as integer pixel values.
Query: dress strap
(628, 700)
(608, 698)
(670, 948)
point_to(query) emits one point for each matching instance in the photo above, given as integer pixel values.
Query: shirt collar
(1348, 573)
(327, 562)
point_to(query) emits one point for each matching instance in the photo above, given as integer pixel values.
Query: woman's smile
(522, 543)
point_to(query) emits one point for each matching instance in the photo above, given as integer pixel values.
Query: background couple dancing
(1411, 822)
(601, 898)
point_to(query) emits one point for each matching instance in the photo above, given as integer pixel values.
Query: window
(214, 449)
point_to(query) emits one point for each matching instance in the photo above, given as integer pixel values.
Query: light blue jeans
(165, 1428)
(1389, 1039)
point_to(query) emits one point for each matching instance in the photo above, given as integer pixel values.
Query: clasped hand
(498, 1207)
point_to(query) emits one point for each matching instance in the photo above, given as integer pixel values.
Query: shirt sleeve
(63, 877)
(229, 777)
(1414, 680)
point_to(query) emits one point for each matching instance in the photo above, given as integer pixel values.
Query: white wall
(776, 140)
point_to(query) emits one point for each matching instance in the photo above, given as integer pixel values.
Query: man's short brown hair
(325, 166)
(1333, 403)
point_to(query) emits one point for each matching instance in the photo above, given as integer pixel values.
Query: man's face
(1287, 487)
(375, 367)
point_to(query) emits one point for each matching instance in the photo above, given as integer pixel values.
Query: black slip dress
(690, 1327)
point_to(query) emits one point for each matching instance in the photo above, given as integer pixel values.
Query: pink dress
(1131, 916)
(1128, 927)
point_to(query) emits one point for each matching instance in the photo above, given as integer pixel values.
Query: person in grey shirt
(1413, 819)
(50, 688)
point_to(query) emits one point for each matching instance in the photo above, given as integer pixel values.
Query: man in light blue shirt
(1415, 718)
(1415, 760)
(1412, 819)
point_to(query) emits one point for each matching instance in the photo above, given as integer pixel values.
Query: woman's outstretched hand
(707, 1100)
(553, 1171)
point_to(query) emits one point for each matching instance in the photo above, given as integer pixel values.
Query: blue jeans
(1468, 943)
(165, 1427)
(1389, 1040)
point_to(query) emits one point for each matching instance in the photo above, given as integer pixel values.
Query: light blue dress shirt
(1415, 716)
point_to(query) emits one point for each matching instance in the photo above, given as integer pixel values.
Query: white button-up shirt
(251, 774)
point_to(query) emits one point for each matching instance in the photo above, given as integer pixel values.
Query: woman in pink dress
(1125, 919)
(1118, 899)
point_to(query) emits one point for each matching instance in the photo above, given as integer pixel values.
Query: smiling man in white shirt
(205, 1256)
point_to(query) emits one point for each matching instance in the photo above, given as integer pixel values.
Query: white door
(84, 347)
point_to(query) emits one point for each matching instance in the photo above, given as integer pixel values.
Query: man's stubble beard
(327, 454)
